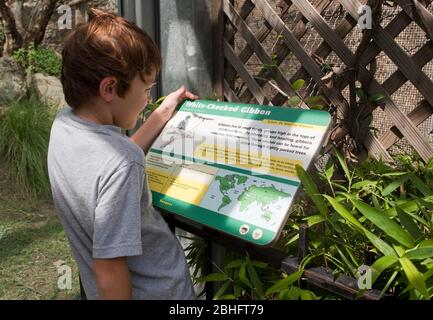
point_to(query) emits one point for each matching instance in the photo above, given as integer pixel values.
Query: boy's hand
(167, 107)
(151, 128)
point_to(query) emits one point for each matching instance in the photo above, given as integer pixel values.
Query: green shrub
(152, 107)
(24, 136)
(39, 60)
(377, 215)
(244, 278)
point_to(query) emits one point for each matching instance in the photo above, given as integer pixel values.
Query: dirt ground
(32, 241)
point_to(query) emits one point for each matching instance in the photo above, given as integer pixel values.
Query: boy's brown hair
(106, 45)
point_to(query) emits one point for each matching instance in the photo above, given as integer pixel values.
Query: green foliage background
(39, 60)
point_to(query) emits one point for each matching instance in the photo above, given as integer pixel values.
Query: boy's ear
(107, 88)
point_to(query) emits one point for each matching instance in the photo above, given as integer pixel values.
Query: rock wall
(12, 81)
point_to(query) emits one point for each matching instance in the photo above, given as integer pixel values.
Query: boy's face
(126, 110)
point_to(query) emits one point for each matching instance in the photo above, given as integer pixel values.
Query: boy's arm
(113, 278)
(151, 128)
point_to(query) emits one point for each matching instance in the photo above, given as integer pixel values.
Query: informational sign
(231, 166)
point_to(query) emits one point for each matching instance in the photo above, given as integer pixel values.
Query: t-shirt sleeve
(117, 225)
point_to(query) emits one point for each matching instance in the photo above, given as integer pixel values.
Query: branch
(13, 39)
(17, 11)
(40, 18)
(77, 2)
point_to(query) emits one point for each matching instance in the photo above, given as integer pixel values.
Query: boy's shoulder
(107, 142)
(126, 150)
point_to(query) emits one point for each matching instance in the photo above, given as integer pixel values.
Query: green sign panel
(231, 166)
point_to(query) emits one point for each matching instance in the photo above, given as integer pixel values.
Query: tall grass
(24, 137)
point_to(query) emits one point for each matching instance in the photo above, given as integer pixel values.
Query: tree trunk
(13, 39)
(16, 34)
(38, 24)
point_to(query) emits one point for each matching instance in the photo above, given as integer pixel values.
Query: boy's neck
(95, 114)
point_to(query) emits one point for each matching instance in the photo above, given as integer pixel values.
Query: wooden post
(217, 44)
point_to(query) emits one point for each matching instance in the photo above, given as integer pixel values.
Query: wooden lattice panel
(291, 26)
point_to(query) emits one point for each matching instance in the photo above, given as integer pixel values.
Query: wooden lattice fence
(263, 46)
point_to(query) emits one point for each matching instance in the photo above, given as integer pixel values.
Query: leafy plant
(153, 106)
(214, 96)
(272, 65)
(39, 60)
(196, 257)
(295, 100)
(24, 137)
(375, 214)
(313, 102)
(243, 278)
(377, 98)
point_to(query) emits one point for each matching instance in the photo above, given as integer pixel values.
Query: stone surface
(49, 89)
(12, 81)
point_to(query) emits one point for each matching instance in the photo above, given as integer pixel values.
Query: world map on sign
(238, 195)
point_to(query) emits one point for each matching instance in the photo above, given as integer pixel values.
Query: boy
(123, 247)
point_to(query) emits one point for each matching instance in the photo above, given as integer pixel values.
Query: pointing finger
(191, 96)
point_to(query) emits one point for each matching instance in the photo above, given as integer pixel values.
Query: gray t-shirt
(100, 192)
